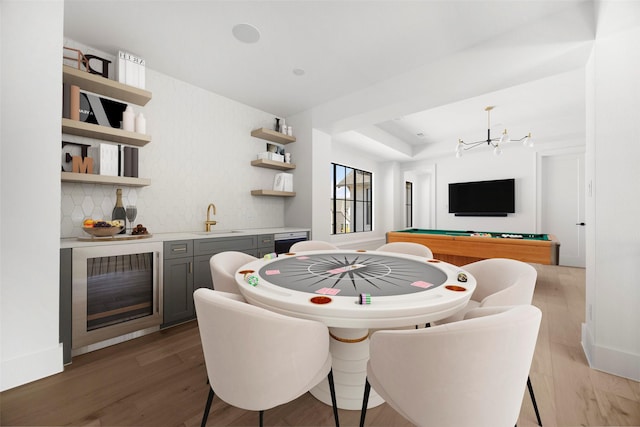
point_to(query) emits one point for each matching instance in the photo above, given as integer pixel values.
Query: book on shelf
(283, 182)
(134, 162)
(105, 159)
(130, 161)
(130, 69)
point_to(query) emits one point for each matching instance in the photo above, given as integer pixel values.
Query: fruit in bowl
(100, 228)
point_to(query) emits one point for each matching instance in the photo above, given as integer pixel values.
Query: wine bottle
(119, 212)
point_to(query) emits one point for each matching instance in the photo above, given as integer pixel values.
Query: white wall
(424, 200)
(479, 165)
(611, 333)
(30, 222)
(199, 153)
(298, 209)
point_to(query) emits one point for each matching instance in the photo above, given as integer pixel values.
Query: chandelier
(493, 142)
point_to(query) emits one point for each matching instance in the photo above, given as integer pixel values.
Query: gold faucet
(208, 223)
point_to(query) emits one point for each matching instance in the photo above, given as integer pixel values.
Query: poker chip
(272, 255)
(251, 279)
(364, 299)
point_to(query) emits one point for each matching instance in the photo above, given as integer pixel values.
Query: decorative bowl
(102, 231)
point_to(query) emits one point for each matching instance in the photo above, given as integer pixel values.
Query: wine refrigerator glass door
(117, 290)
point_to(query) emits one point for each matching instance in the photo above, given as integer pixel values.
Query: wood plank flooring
(160, 380)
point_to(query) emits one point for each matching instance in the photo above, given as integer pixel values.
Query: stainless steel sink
(216, 232)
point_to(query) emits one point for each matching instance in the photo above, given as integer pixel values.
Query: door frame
(577, 150)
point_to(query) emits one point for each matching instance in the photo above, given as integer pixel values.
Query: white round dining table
(352, 292)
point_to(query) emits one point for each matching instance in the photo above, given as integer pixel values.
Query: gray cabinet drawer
(222, 244)
(265, 241)
(178, 249)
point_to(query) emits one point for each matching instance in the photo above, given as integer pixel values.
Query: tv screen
(482, 198)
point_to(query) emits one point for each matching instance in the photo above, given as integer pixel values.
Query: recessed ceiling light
(298, 71)
(246, 33)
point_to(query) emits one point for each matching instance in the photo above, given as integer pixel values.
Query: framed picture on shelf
(274, 148)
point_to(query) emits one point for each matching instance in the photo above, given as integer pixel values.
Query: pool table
(462, 247)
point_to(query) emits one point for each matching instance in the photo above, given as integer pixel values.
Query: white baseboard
(610, 360)
(31, 367)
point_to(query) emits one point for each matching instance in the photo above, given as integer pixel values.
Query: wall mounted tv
(482, 198)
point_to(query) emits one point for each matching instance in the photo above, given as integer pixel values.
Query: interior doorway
(562, 205)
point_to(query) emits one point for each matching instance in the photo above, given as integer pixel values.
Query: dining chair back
(312, 245)
(257, 359)
(501, 282)
(223, 269)
(410, 248)
(468, 373)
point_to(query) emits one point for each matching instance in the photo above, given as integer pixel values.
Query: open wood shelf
(272, 164)
(273, 136)
(273, 193)
(104, 179)
(97, 84)
(90, 130)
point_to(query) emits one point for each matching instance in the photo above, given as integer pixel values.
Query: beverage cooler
(116, 290)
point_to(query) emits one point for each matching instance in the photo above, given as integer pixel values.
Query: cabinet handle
(183, 249)
(190, 267)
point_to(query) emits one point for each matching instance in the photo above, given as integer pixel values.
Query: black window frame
(358, 217)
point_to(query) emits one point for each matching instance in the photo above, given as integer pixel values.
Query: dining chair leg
(533, 400)
(261, 417)
(207, 408)
(365, 402)
(334, 401)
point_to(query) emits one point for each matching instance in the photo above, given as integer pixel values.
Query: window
(351, 202)
(408, 204)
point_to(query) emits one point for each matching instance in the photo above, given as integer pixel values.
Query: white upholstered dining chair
(467, 373)
(223, 269)
(410, 248)
(257, 359)
(501, 282)
(312, 245)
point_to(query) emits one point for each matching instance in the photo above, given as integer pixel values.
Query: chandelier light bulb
(505, 139)
(497, 151)
(527, 141)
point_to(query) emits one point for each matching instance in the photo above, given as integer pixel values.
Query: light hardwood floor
(160, 380)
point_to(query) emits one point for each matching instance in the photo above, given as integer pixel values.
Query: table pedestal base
(350, 353)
